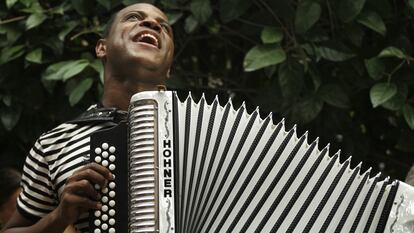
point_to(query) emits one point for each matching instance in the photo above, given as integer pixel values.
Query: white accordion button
(112, 203)
(105, 163)
(97, 230)
(112, 185)
(112, 149)
(112, 167)
(104, 226)
(104, 208)
(111, 212)
(111, 221)
(97, 213)
(105, 154)
(104, 200)
(111, 194)
(97, 222)
(104, 217)
(112, 158)
(97, 186)
(98, 150)
(111, 230)
(105, 146)
(98, 159)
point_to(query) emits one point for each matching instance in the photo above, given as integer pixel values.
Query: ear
(168, 73)
(100, 48)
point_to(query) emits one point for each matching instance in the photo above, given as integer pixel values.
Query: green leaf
(98, 66)
(271, 35)
(392, 52)
(396, 102)
(263, 55)
(201, 10)
(10, 3)
(381, 92)
(69, 26)
(35, 20)
(334, 95)
(332, 54)
(65, 70)
(411, 4)
(105, 3)
(231, 9)
(408, 112)
(10, 117)
(11, 53)
(173, 17)
(307, 14)
(35, 56)
(190, 24)
(349, 9)
(291, 79)
(79, 91)
(375, 68)
(373, 21)
(308, 109)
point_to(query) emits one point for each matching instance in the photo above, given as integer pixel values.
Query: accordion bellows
(200, 167)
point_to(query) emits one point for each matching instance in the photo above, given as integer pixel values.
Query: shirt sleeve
(37, 197)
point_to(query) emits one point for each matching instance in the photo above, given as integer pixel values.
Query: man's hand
(79, 194)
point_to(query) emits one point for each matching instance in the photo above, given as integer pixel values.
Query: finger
(90, 175)
(81, 201)
(82, 188)
(101, 170)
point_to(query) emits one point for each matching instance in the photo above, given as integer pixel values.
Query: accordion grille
(142, 168)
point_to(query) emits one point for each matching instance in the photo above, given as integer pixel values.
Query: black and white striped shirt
(54, 157)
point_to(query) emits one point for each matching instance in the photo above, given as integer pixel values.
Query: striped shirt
(53, 158)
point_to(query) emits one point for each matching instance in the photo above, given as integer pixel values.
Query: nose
(154, 25)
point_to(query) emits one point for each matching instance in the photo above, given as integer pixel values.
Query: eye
(134, 17)
(166, 27)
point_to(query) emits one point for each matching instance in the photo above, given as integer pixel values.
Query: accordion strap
(98, 113)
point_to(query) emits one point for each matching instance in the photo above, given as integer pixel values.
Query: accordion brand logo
(167, 161)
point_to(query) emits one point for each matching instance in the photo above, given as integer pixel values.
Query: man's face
(140, 37)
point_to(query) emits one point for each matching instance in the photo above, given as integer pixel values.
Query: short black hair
(9, 183)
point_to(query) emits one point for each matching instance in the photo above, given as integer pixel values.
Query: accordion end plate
(401, 219)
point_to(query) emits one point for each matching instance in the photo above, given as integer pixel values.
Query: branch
(12, 20)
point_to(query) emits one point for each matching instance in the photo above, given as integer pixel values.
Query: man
(10, 189)
(137, 52)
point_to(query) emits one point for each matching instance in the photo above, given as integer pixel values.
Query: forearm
(48, 224)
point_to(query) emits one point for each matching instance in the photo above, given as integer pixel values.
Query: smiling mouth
(148, 39)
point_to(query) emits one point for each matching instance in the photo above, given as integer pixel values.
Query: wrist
(56, 220)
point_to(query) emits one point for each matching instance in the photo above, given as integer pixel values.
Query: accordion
(197, 167)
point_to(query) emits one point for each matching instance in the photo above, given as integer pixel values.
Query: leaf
(190, 24)
(232, 9)
(392, 52)
(373, 21)
(375, 67)
(263, 55)
(332, 54)
(308, 109)
(396, 102)
(105, 3)
(271, 35)
(408, 112)
(307, 14)
(11, 53)
(35, 20)
(98, 66)
(10, 3)
(201, 10)
(79, 91)
(349, 9)
(69, 26)
(173, 17)
(334, 95)
(35, 56)
(381, 92)
(291, 79)
(65, 70)
(10, 117)
(411, 4)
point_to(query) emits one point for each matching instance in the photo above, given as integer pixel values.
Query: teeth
(150, 36)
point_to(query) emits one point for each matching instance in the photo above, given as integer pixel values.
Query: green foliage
(342, 69)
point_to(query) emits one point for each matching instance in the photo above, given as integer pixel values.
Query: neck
(118, 93)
